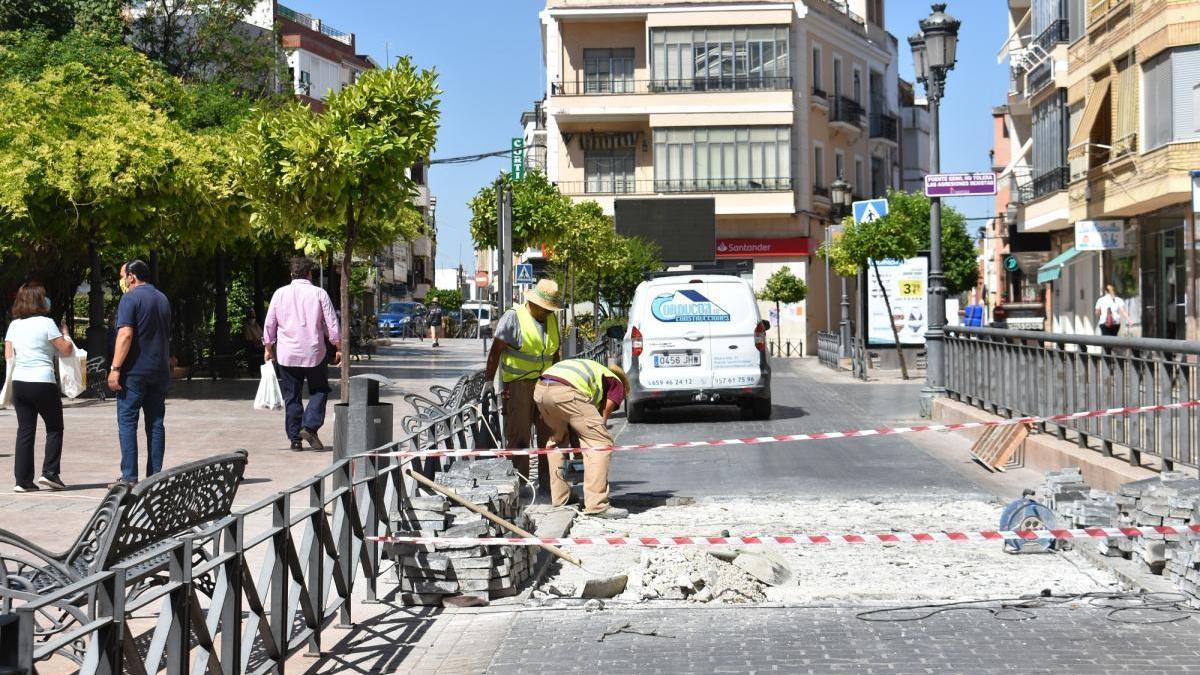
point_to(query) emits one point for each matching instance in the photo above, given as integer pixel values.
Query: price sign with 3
(912, 288)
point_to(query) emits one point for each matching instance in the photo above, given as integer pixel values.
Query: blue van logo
(686, 306)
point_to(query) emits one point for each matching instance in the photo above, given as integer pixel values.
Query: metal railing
(1019, 373)
(847, 111)
(253, 589)
(819, 190)
(829, 349)
(1059, 31)
(629, 186)
(1051, 181)
(820, 93)
(316, 24)
(885, 126)
(609, 86)
(1039, 77)
(859, 358)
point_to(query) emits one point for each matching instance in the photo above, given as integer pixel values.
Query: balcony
(885, 127)
(1041, 76)
(1098, 9)
(847, 112)
(1058, 32)
(1051, 181)
(820, 191)
(819, 95)
(609, 87)
(620, 186)
(316, 24)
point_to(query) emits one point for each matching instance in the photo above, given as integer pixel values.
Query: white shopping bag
(6, 393)
(269, 396)
(70, 373)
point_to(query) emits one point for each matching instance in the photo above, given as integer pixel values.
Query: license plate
(676, 360)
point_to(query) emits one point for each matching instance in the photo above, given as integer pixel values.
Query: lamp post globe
(839, 197)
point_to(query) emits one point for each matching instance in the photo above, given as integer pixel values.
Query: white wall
(325, 75)
(445, 278)
(794, 320)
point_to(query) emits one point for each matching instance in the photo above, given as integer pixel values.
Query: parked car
(484, 314)
(399, 318)
(696, 339)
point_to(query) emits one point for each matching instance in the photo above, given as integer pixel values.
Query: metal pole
(844, 327)
(828, 290)
(935, 371)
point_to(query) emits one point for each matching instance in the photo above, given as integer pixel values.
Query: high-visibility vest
(536, 352)
(586, 375)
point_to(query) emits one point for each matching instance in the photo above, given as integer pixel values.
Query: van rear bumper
(714, 395)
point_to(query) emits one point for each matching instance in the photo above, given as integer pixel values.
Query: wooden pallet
(996, 448)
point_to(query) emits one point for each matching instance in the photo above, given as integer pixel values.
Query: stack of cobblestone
(463, 574)
(1172, 498)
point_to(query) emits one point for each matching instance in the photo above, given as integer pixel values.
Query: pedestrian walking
(299, 321)
(31, 344)
(575, 398)
(436, 314)
(1110, 311)
(525, 344)
(141, 369)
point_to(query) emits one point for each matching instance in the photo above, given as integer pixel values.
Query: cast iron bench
(130, 523)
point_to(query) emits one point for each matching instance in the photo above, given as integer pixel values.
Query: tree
(540, 214)
(450, 298)
(863, 244)
(959, 255)
(339, 180)
(783, 287)
(58, 17)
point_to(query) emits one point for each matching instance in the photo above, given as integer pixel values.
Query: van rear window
(687, 305)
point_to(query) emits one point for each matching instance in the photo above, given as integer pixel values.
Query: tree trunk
(344, 294)
(97, 335)
(779, 327)
(221, 328)
(259, 313)
(891, 322)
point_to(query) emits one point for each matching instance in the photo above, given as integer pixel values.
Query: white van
(696, 338)
(484, 312)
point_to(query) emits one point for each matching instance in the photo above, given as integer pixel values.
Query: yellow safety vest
(586, 375)
(536, 354)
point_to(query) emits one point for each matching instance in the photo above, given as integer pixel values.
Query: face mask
(124, 285)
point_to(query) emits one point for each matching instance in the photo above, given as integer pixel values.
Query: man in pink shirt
(299, 322)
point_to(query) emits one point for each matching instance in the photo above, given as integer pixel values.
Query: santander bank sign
(782, 247)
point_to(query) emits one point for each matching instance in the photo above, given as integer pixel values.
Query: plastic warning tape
(789, 438)
(1189, 531)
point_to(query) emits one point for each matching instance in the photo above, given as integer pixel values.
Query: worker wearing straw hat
(525, 345)
(575, 398)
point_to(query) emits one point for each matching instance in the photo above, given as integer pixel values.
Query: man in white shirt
(1110, 311)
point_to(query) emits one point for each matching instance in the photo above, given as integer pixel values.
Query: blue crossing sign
(870, 210)
(525, 274)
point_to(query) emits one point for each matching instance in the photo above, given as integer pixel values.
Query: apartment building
(1104, 115)
(758, 105)
(321, 59)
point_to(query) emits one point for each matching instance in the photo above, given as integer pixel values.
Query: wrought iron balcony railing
(847, 110)
(885, 126)
(608, 86)
(618, 186)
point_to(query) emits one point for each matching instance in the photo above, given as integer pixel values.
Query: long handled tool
(605, 587)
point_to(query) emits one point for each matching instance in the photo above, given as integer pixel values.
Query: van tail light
(635, 338)
(760, 338)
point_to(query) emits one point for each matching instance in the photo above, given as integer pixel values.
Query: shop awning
(1052, 270)
(1091, 112)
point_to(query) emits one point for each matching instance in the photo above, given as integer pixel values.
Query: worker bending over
(525, 345)
(575, 397)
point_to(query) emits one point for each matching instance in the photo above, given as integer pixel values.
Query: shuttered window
(1125, 89)
(1156, 87)
(1185, 76)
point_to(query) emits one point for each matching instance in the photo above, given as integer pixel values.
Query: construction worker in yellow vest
(525, 344)
(575, 398)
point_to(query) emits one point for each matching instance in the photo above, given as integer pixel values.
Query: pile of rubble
(697, 575)
(462, 574)
(1172, 498)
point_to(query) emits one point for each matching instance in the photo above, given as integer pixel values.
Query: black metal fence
(608, 85)
(253, 589)
(829, 349)
(1019, 373)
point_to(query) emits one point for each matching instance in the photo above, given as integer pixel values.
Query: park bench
(130, 524)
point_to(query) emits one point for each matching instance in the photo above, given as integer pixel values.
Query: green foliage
(58, 17)
(540, 215)
(451, 298)
(602, 262)
(784, 287)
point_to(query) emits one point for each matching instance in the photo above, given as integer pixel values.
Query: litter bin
(363, 423)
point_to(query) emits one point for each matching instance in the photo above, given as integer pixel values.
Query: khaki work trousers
(520, 417)
(569, 413)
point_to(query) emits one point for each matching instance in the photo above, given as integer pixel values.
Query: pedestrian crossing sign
(525, 274)
(870, 210)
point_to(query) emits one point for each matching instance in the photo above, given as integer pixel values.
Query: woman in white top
(31, 344)
(1110, 311)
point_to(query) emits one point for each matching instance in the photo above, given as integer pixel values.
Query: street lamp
(840, 200)
(933, 51)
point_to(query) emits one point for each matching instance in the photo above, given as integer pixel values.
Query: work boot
(611, 513)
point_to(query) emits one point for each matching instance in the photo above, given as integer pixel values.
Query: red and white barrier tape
(1189, 531)
(787, 438)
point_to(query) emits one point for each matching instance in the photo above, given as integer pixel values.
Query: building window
(722, 158)
(818, 166)
(305, 85)
(1048, 23)
(1172, 104)
(608, 71)
(837, 77)
(857, 83)
(839, 164)
(608, 171)
(818, 82)
(1050, 138)
(705, 59)
(1125, 90)
(859, 177)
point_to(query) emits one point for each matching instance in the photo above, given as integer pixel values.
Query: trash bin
(363, 423)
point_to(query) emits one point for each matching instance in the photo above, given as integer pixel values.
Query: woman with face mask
(32, 342)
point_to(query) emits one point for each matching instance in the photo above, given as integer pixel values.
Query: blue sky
(488, 56)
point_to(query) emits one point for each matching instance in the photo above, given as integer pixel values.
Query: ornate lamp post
(840, 199)
(933, 49)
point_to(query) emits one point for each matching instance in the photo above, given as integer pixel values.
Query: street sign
(1099, 235)
(517, 157)
(481, 279)
(960, 184)
(1011, 264)
(870, 210)
(525, 274)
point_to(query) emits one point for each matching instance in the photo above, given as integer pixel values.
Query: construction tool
(599, 587)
